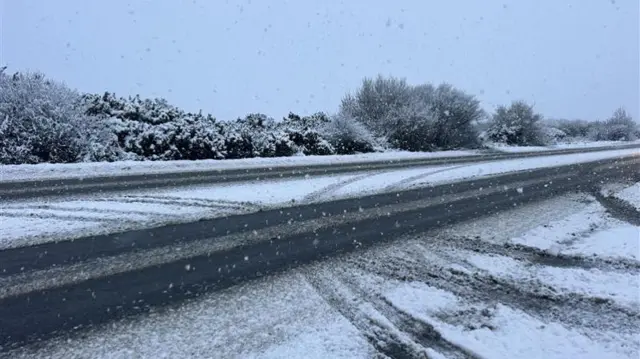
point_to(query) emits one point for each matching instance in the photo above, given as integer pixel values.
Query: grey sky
(572, 58)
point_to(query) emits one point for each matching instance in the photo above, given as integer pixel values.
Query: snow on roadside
(94, 169)
(510, 333)
(521, 164)
(630, 195)
(589, 232)
(620, 287)
(622, 241)
(499, 331)
(569, 145)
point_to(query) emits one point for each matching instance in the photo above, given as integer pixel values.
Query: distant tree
(620, 126)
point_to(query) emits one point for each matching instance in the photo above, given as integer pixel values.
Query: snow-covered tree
(377, 102)
(517, 124)
(415, 118)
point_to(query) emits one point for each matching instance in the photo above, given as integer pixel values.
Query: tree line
(42, 120)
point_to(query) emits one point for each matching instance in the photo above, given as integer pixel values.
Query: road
(66, 186)
(67, 285)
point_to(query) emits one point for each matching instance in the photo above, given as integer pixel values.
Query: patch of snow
(414, 297)
(589, 232)
(619, 287)
(569, 228)
(515, 334)
(12, 228)
(622, 241)
(631, 195)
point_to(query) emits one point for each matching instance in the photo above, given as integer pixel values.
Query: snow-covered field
(84, 170)
(556, 279)
(34, 222)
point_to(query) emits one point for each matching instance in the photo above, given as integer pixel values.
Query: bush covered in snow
(517, 125)
(415, 118)
(619, 127)
(44, 121)
(348, 136)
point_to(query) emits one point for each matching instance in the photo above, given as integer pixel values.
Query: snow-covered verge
(121, 168)
(630, 195)
(35, 222)
(568, 145)
(471, 290)
(96, 169)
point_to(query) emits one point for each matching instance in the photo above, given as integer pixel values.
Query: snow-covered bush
(620, 127)
(516, 125)
(348, 136)
(452, 114)
(576, 129)
(151, 111)
(305, 134)
(44, 121)
(553, 134)
(415, 118)
(256, 135)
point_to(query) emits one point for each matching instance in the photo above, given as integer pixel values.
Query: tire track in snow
(71, 218)
(533, 297)
(319, 194)
(179, 201)
(402, 183)
(87, 209)
(534, 255)
(387, 340)
(420, 331)
(618, 208)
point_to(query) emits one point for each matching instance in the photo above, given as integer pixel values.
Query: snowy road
(69, 284)
(30, 222)
(555, 279)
